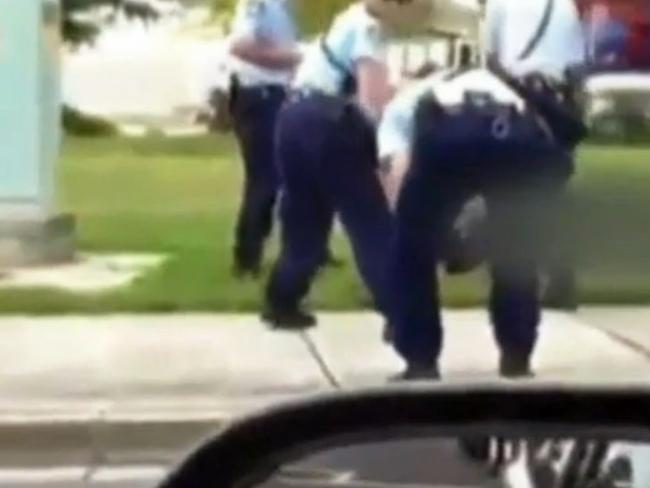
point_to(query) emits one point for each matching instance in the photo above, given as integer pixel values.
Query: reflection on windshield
(485, 462)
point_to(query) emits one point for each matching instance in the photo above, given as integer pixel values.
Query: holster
(551, 104)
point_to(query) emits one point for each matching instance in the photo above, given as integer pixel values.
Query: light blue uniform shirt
(354, 35)
(269, 21)
(397, 125)
(511, 24)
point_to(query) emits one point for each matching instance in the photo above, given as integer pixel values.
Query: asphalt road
(403, 464)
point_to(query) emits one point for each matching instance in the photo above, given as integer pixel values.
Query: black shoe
(515, 366)
(288, 319)
(417, 373)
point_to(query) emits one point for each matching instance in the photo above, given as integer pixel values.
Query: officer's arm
(374, 88)
(252, 42)
(370, 52)
(262, 52)
(393, 176)
(393, 143)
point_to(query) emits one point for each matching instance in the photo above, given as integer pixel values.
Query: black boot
(415, 372)
(515, 365)
(294, 320)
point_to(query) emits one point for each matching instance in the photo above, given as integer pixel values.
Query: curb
(138, 439)
(133, 476)
(162, 431)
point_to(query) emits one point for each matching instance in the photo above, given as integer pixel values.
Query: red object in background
(638, 51)
(625, 10)
(634, 16)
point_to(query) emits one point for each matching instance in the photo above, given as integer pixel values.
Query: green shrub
(79, 124)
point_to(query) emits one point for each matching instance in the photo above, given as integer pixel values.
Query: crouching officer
(479, 133)
(264, 52)
(328, 162)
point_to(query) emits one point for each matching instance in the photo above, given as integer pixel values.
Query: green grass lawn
(180, 196)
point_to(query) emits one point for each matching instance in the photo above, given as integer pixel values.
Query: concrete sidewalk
(73, 367)
(119, 397)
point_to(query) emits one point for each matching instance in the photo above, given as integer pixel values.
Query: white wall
(137, 69)
(151, 70)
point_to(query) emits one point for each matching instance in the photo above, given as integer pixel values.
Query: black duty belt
(554, 102)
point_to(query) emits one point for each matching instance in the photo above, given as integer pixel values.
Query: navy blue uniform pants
(562, 107)
(454, 158)
(328, 163)
(255, 111)
(560, 268)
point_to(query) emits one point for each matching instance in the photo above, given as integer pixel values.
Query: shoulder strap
(539, 33)
(331, 58)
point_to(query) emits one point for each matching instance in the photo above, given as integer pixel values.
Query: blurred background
(143, 178)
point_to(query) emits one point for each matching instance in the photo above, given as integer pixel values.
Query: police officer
(560, 291)
(265, 53)
(480, 132)
(328, 162)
